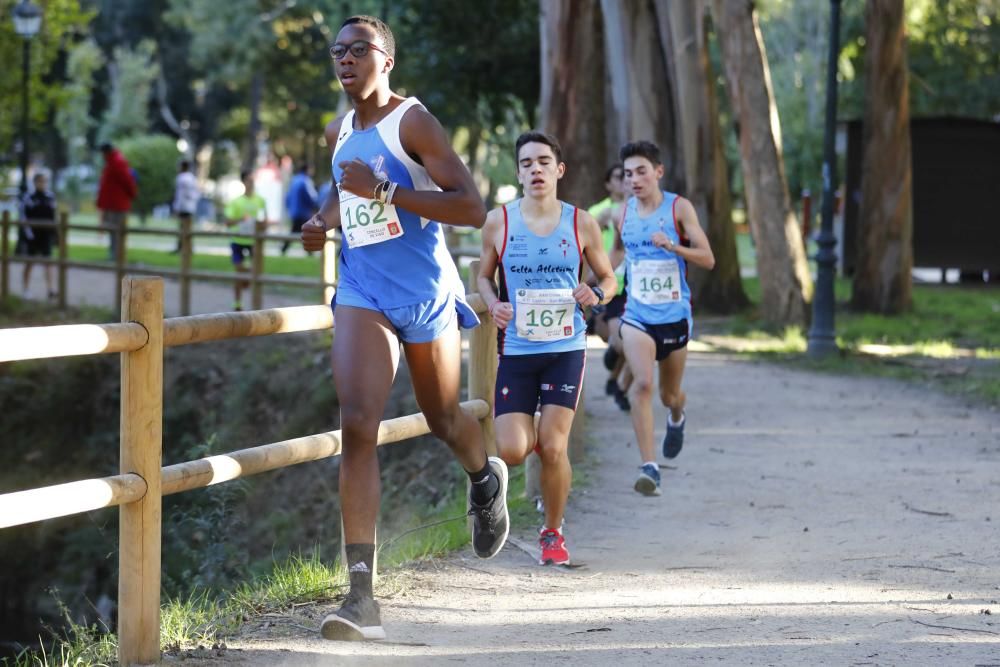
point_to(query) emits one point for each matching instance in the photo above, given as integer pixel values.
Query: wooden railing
(323, 283)
(140, 338)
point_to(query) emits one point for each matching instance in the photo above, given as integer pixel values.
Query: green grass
(951, 337)
(963, 317)
(200, 618)
(204, 619)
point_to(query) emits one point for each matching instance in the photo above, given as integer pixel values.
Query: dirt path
(811, 519)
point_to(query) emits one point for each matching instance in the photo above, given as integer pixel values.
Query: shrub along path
(810, 519)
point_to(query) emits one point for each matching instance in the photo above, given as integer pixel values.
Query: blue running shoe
(673, 441)
(648, 483)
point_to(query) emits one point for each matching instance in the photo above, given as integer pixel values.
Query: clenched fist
(502, 312)
(585, 296)
(314, 233)
(358, 178)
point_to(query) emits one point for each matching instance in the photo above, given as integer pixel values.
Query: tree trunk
(882, 282)
(572, 97)
(699, 140)
(253, 130)
(640, 101)
(785, 283)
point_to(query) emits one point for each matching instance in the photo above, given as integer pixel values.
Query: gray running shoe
(357, 619)
(490, 523)
(673, 441)
(648, 482)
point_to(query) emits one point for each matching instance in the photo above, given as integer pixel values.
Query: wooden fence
(323, 283)
(140, 338)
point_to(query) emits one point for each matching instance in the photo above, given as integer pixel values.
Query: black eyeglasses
(358, 49)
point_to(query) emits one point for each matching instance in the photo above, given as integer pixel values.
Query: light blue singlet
(537, 276)
(657, 285)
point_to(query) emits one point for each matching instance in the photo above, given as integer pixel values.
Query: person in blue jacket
(301, 201)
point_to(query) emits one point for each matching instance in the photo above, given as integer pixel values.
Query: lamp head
(27, 19)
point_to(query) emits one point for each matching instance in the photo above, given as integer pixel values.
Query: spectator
(32, 241)
(301, 201)
(115, 194)
(186, 196)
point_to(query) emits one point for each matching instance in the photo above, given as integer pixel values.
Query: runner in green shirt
(605, 324)
(243, 213)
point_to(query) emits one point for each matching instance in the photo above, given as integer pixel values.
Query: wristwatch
(599, 293)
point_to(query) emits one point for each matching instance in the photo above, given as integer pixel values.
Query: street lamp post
(821, 333)
(27, 21)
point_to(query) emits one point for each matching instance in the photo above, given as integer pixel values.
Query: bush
(154, 158)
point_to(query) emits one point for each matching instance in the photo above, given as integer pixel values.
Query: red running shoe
(553, 547)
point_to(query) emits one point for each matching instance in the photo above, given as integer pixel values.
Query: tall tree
(240, 41)
(706, 178)
(133, 72)
(572, 98)
(640, 100)
(61, 19)
(73, 119)
(885, 228)
(786, 286)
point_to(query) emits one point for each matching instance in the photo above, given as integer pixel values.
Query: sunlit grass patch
(196, 619)
(951, 336)
(297, 579)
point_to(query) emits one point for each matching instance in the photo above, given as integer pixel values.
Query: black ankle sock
(484, 485)
(360, 558)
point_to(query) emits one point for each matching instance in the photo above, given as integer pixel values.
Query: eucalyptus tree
(785, 282)
(882, 281)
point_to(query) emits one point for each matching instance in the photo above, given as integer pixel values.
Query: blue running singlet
(391, 258)
(656, 279)
(537, 276)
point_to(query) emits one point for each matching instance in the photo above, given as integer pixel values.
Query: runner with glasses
(398, 180)
(540, 245)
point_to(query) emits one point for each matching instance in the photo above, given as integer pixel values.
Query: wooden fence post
(329, 267)
(4, 252)
(482, 372)
(257, 266)
(120, 255)
(185, 265)
(141, 453)
(63, 241)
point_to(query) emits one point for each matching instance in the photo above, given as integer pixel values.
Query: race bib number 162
(366, 221)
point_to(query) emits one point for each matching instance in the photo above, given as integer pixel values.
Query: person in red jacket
(115, 194)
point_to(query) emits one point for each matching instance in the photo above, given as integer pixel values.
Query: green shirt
(245, 210)
(608, 236)
(600, 206)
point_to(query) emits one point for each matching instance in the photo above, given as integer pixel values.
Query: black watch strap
(600, 294)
